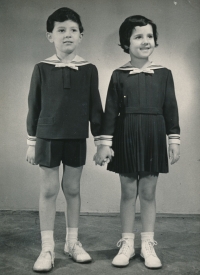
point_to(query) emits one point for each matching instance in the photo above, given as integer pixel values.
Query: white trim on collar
(77, 61)
(133, 70)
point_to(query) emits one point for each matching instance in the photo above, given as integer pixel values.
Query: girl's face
(142, 42)
(65, 36)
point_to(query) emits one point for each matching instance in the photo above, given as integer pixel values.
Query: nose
(68, 34)
(145, 40)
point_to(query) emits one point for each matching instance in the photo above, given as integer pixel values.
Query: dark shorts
(50, 152)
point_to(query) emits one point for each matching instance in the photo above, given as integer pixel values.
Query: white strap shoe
(148, 253)
(125, 253)
(44, 262)
(77, 252)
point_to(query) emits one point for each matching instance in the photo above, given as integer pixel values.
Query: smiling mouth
(67, 42)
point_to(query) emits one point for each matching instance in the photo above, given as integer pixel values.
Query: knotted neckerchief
(74, 64)
(133, 70)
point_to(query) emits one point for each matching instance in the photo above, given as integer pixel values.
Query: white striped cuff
(174, 138)
(31, 140)
(97, 140)
(106, 140)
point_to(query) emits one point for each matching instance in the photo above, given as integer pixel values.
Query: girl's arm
(171, 116)
(108, 125)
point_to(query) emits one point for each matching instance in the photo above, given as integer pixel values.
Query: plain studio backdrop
(23, 44)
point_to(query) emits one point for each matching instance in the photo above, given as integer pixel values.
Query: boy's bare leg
(71, 190)
(49, 188)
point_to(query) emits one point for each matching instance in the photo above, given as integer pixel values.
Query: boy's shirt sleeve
(170, 112)
(34, 106)
(96, 110)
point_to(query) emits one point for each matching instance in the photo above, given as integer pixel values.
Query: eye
(138, 37)
(74, 30)
(61, 30)
(150, 35)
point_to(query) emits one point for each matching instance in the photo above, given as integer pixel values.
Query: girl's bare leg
(147, 193)
(128, 201)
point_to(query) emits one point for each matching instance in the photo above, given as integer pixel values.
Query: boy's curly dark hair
(127, 27)
(62, 15)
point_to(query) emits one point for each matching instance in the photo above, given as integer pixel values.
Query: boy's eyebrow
(72, 27)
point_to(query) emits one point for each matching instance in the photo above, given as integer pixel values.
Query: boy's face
(142, 42)
(65, 36)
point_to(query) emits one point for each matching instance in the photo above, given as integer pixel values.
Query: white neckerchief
(74, 64)
(133, 70)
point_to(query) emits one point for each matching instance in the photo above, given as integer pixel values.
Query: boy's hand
(174, 152)
(30, 155)
(104, 155)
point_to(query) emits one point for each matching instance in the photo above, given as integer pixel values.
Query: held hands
(30, 155)
(174, 152)
(104, 155)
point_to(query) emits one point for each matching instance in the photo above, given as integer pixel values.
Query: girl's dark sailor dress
(141, 109)
(63, 98)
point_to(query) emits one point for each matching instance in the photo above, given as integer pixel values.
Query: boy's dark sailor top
(63, 98)
(148, 91)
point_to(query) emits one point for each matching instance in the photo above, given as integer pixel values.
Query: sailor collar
(74, 64)
(133, 70)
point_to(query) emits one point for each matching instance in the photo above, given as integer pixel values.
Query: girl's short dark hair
(62, 15)
(127, 27)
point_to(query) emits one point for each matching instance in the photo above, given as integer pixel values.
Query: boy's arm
(96, 110)
(34, 106)
(30, 155)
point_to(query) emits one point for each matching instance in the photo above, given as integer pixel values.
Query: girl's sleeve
(34, 106)
(170, 111)
(96, 110)
(111, 112)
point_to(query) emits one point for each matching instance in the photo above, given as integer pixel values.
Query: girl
(141, 109)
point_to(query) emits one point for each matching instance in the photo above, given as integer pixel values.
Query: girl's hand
(174, 152)
(30, 155)
(104, 155)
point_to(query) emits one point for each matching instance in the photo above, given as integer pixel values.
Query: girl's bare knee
(147, 195)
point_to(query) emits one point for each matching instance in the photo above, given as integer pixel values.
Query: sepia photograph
(100, 137)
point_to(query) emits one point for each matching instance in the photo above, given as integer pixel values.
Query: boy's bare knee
(72, 191)
(49, 193)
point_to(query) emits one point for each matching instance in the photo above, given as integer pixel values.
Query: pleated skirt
(139, 144)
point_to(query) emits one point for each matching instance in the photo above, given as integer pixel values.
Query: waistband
(143, 110)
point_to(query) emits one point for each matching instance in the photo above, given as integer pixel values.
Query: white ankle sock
(130, 237)
(47, 240)
(71, 234)
(147, 235)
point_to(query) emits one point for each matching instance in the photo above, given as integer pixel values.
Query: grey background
(23, 43)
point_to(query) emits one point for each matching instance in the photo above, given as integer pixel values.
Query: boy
(63, 98)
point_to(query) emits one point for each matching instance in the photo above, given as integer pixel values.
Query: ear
(81, 36)
(49, 37)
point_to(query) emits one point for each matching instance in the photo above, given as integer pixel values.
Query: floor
(178, 245)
